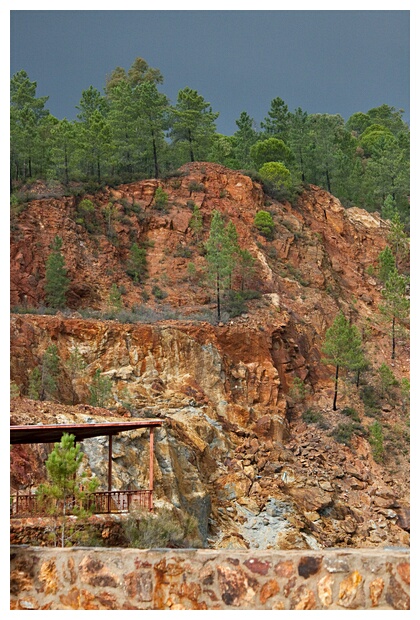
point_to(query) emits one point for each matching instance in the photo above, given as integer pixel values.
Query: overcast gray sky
(322, 61)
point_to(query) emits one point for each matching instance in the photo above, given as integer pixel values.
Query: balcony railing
(100, 502)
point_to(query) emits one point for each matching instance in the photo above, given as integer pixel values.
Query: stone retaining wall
(97, 578)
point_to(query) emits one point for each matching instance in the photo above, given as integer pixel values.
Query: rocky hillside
(258, 465)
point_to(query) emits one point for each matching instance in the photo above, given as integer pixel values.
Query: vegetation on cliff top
(132, 131)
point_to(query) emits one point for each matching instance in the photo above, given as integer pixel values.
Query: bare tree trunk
(218, 298)
(190, 141)
(335, 389)
(155, 159)
(393, 338)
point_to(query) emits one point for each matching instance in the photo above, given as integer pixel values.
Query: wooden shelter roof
(50, 433)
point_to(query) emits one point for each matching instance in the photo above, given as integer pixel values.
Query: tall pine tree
(342, 348)
(193, 122)
(57, 281)
(220, 251)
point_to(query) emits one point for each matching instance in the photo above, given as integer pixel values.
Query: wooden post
(109, 468)
(151, 468)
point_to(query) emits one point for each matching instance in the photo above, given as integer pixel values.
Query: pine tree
(193, 121)
(219, 255)
(245, 267)
(50, 373)
(35, 384)
(243, 139)
(396, 304)
(386, 264)
(110, 212)
(325, 136)
(387, 380)
(114, 299)
(62, 494)
(94, 132)
(405, 393)
(100, 389)
(196, 222)
(299, 140)
(154, 119)
(270, 150)
(56, 280)
(26, 115)
(389, 208)
(63, 151)
(398, 240)
(75, 365)
(342, 348)
(160, 199)
(278, 120)
(376, 440)
(138, 117)
(137, 263)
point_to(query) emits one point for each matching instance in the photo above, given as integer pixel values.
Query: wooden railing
(100, 502)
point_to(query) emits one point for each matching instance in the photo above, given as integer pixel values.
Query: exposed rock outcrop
(234, 449)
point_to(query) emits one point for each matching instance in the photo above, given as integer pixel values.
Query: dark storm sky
(322, 61)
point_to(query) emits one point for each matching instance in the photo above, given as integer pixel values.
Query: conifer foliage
(57, 281)
(342, 348)
(66, 489)
(134, 131)
(221, 247)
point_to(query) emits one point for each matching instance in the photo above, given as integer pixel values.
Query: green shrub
(263, 221)
(176, 183)
(235, 303)
(100, 390)
(85, 206)
(387, 381)
(57, 281)
(272, 252)
(312, 417)
(183, 251)
(196, 187)
(173, 174)
(160, 200)
(296, 274)
(14, 390)
(276, 174)
(125, 220)
(252, 174)
(397, 437)
(35, 384)
(137, 263)
(343, 432)
(114, 298)
(376, 440)
(351, 413)
(298, 390)
(158, 292)
(405, 393)
(370, 400)
(86, 215)
(126, 204)
(161, 529)
(250, 293)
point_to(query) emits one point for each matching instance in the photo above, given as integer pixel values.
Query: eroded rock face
(233, 450)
